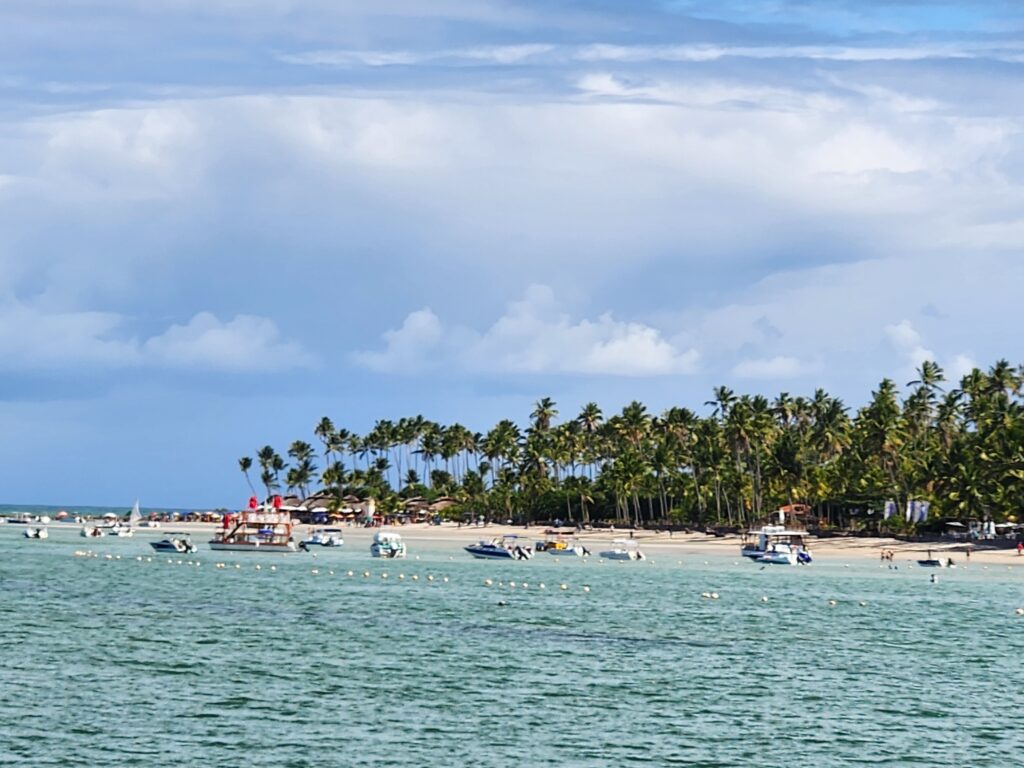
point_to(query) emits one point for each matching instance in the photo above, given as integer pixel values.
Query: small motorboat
(622, 549)
(178, 543)
(387, 544)
(93, 532)
(325, 537)
(934, 562)
(562, 548)
(506, 548)
(36, 533)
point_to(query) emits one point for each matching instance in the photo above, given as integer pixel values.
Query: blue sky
(222, 220)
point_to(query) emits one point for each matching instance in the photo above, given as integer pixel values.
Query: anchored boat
(508, 547)
(387, 544)
(623, 549)
(180, 543)
(257, 529)
(776, 545)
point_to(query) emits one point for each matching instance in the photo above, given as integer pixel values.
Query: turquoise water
(126, 663)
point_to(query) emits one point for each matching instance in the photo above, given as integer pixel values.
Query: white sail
(136, 516)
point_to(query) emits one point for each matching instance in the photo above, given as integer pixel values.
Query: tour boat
(36, 533)
(387, 544)
(325, 537)
(257, 529)
(505, 548)
(173, 543)
(776, 545)
(623, 549)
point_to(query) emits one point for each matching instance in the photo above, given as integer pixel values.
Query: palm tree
(245, 464)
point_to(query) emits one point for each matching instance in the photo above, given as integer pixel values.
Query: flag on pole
(922, 511)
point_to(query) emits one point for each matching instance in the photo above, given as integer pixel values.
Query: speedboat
(36, 533)
(325, 537)
(506, 548)
(387, 544)
(172, 543)
(934, 562)
(622, 549)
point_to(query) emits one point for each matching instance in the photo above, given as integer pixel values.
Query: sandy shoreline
(837, 549)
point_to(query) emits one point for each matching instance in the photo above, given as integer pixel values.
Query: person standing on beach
(1020, 548)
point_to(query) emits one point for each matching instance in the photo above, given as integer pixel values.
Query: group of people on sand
(888, 555)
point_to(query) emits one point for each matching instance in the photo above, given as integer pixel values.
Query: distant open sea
(123, 661)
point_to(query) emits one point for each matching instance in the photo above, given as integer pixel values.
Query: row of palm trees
(960, 448)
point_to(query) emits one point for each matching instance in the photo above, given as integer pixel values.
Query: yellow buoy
(586, 588)
(562, 586)
(714, 595)
(487, 582)
(764, 598)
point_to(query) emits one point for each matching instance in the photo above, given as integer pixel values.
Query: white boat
(36, 533)
(622, 549)
(776, 545)
(783, 554)
(559, 547)
(119, 530)
(179, 543)
(93, 532)
(387, 544)
(263, 529)
(507, 547)
(324, 537)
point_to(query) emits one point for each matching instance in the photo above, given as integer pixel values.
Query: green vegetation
(961, 449)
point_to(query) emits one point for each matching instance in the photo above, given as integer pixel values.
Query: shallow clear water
(120, 662)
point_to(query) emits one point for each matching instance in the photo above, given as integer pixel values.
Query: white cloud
(244, 343)
(33, 338)
(908, 342)
(405, 348)
(778, 367)
(959, 367)
(493, 54)
(534, 336)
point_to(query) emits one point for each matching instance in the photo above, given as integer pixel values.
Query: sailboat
(133, 522)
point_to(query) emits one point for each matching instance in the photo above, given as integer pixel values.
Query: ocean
(130, 660)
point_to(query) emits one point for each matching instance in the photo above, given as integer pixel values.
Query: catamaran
(257, 529)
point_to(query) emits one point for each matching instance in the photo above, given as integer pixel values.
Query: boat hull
(221, 546)
(487, 554)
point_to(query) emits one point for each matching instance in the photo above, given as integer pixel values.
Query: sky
(221, 220)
